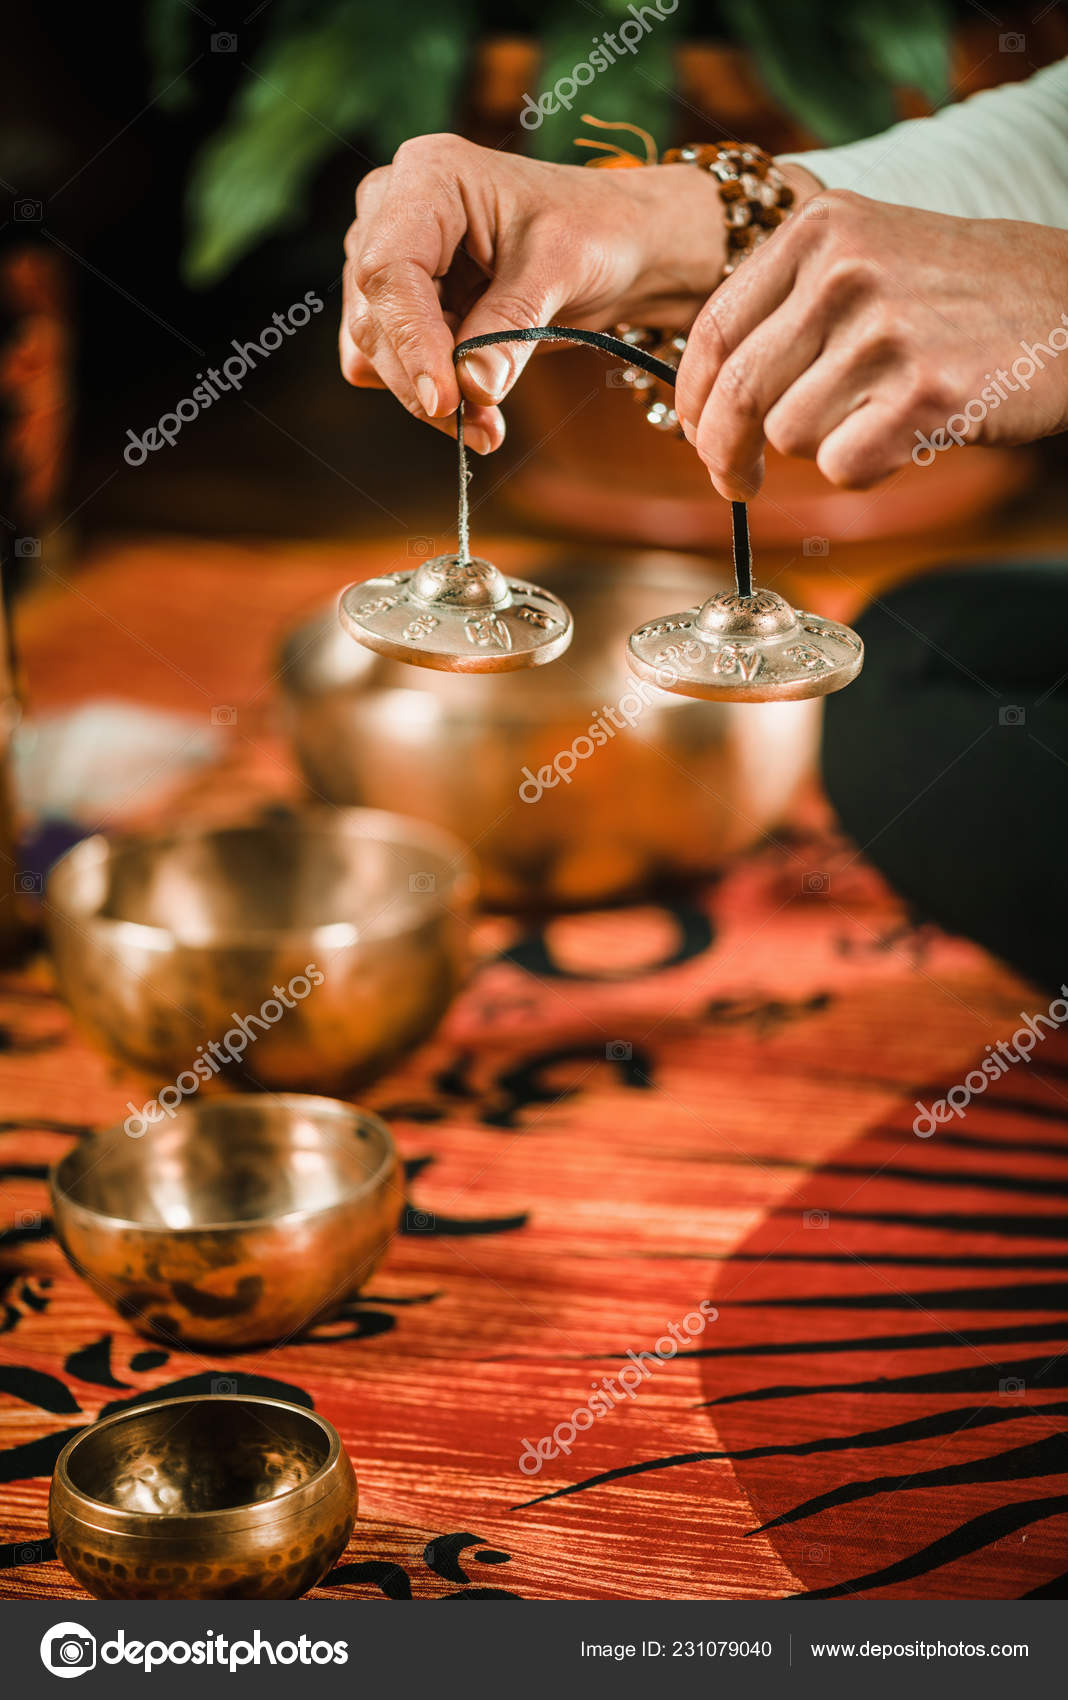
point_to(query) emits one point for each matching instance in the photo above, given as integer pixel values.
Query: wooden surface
(592, 1152)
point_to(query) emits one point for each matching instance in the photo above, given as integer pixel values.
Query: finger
(867, 446)
(396, 251)
(483, 426)
(374, 367)
(730, 434)
(527, 293)
(742, 302)
(356, 368)
(832, 388)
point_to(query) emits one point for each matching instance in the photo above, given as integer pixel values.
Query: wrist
(685, 238)
(685, 225)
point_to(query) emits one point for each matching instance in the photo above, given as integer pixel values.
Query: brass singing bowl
(241, 1220)
(167, 947)
(668, 797)
(230, 1497)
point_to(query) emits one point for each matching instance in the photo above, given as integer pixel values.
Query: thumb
(517, 299)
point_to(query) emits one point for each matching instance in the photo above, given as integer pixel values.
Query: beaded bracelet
(756, 199)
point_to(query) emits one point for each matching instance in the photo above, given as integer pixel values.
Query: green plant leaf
(908, 41)
(347, 68)
(836, 68)
(637, 86)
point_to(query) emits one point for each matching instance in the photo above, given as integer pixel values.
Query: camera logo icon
(224, 42)
(422, 882)
(814, 885)
(28, 883)
(820, 547)
(618, 1050)
(1013, 42)
(223, 714)
(1012, 715)
(68, 1649)
(28, 212)
(816, 1218)
(421, 547)
(27, 547)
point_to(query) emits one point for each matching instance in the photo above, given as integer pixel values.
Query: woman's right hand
(453, 240)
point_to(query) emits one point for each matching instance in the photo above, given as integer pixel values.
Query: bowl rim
(461, 884)
(304, 1102)
(253, 1511)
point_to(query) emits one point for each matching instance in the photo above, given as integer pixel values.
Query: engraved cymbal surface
(746, 649)
(459, 616)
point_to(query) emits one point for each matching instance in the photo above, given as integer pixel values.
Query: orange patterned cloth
(624, 1115)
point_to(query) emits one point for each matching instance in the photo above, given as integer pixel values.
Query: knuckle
(408, 339)
(841, 203)
(354, 367)
(788, 433)
(735, 387)
(372, 273)
(370, 185)
(517, 307)
(889, 332)
(706, 349)
(922, 389)
(361, 327)
(857, 466)
(849, 274)
(708, 334)
(420, 151)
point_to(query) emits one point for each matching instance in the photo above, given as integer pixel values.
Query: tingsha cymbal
(458, 615)
(754, 648)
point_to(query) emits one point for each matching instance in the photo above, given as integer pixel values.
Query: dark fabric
(947, 760)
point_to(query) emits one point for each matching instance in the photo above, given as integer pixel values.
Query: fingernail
(490, 370)
(427, 391)
(478, 439)
(689, 433)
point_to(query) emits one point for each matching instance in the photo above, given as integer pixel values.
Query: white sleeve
(1001, 154)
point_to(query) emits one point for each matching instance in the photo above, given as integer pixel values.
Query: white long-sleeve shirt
(1000, 154)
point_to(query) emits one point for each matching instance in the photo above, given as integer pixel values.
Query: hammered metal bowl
(668, 797)
(231, 1497)
(238, 1221)
(166, 947)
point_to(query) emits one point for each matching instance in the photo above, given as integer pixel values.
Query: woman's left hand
(861, 332)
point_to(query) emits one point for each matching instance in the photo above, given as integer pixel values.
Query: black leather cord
(564, 333)
(614, 345)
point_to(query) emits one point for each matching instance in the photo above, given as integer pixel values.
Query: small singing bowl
(304, 952)
(230, 1497)
(240, 1221)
